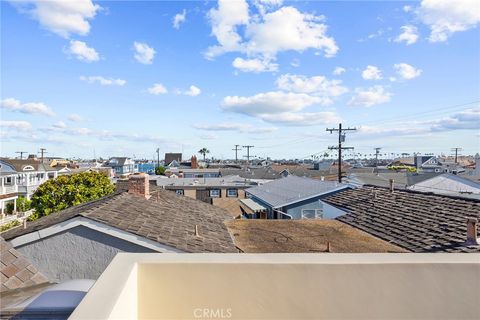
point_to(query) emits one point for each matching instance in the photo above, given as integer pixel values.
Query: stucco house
(79, 242)
(292, 197)
(122, 165)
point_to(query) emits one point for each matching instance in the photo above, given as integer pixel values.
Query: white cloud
(445, 17)
(407, 71)
(372, 73)
(143, 53)
(29, 107)
(268, 103)
(61, 17)
(238, 127)
(193, 91)
(16, 125)
(465, 120)
(157, 89)
(267, 33)
(60, 125)
(103, 81)
(407, 8)
(75, 117)
(338, 71)
(179, 18)
(370, 96)
(318, 86)
(82, 51)
(409, 35)
(301, 118)
(254, 65)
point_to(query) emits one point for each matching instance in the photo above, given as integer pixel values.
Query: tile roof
(299, 236)
(165, 218)
(292, 189)
(15, 270)
(418, 222)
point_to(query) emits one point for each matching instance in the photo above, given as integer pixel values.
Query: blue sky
(123, 78)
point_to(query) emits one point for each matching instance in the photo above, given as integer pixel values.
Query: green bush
(23, 204)
(9, 225)
(9, 208)
(160, 170)
(67, 191)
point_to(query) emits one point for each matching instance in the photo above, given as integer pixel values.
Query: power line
(236, 151)
(341, 138)
(248, 153)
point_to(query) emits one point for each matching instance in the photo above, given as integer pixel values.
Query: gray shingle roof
(166, 218)
(292, 189)
(416, 221)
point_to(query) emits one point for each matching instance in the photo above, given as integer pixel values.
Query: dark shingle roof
(416, 221)
(15, 270)
(165, 218)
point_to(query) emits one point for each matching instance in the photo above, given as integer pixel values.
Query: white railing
(16, 216)
(8, 189)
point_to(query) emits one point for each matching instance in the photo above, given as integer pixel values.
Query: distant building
(122, 165)
(293, 198)
(170, 157)
(192, 173)
(449, 184)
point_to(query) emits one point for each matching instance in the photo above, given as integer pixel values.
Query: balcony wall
(286, 286)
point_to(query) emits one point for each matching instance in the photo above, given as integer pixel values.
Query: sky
(122, 78)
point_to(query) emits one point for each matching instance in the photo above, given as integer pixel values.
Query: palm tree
(204, 152)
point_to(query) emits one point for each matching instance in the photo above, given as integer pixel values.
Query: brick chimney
(139, 185)
(194, 162)
(472, 232)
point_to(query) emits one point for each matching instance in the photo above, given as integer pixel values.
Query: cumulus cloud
(179, 18)
(61, 17)
(103, 81)
(318, 86)
(370, 96)
(75, 117)
(60, 125)
(338, 71)
(372, 73)
(16, 125)
(143, 52)
(82, 51)
(254, 65)
(409, 35)
(445, 17)
(238, 127)
(261, 37)
(407, 71)
(193, 91)
(157, 89)
(12, 104)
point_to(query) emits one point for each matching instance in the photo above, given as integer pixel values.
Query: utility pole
(248, 153)
(21, 154)
(158, 157)
(236, 151)
(42, 151)
(341, 138)
(377, 152)
(456, 153)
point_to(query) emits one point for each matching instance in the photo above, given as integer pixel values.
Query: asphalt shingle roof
(291, 189)
(416, 221)
(165, 218)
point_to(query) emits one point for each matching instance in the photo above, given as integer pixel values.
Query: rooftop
(234, 181)
(297, 236)
(292, 189)
(165, 218)
(415, 221)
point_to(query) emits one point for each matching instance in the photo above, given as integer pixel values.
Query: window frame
(215, 196)
(318, 213)
(179, 192)
(232, 196)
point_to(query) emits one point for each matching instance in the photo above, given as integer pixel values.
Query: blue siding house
(295, 197)
(122, 165)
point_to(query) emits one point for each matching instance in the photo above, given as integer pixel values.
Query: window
(232, 193)
(312, 214)
(179, 192)
(215, 193)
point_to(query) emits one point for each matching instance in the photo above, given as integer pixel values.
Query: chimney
(472, 232)
(194, 162)
(391, 185)
(139, 185)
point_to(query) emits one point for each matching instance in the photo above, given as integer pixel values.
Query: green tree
(204, 152)
(67, 191)
(160, 170)
(23, 204)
